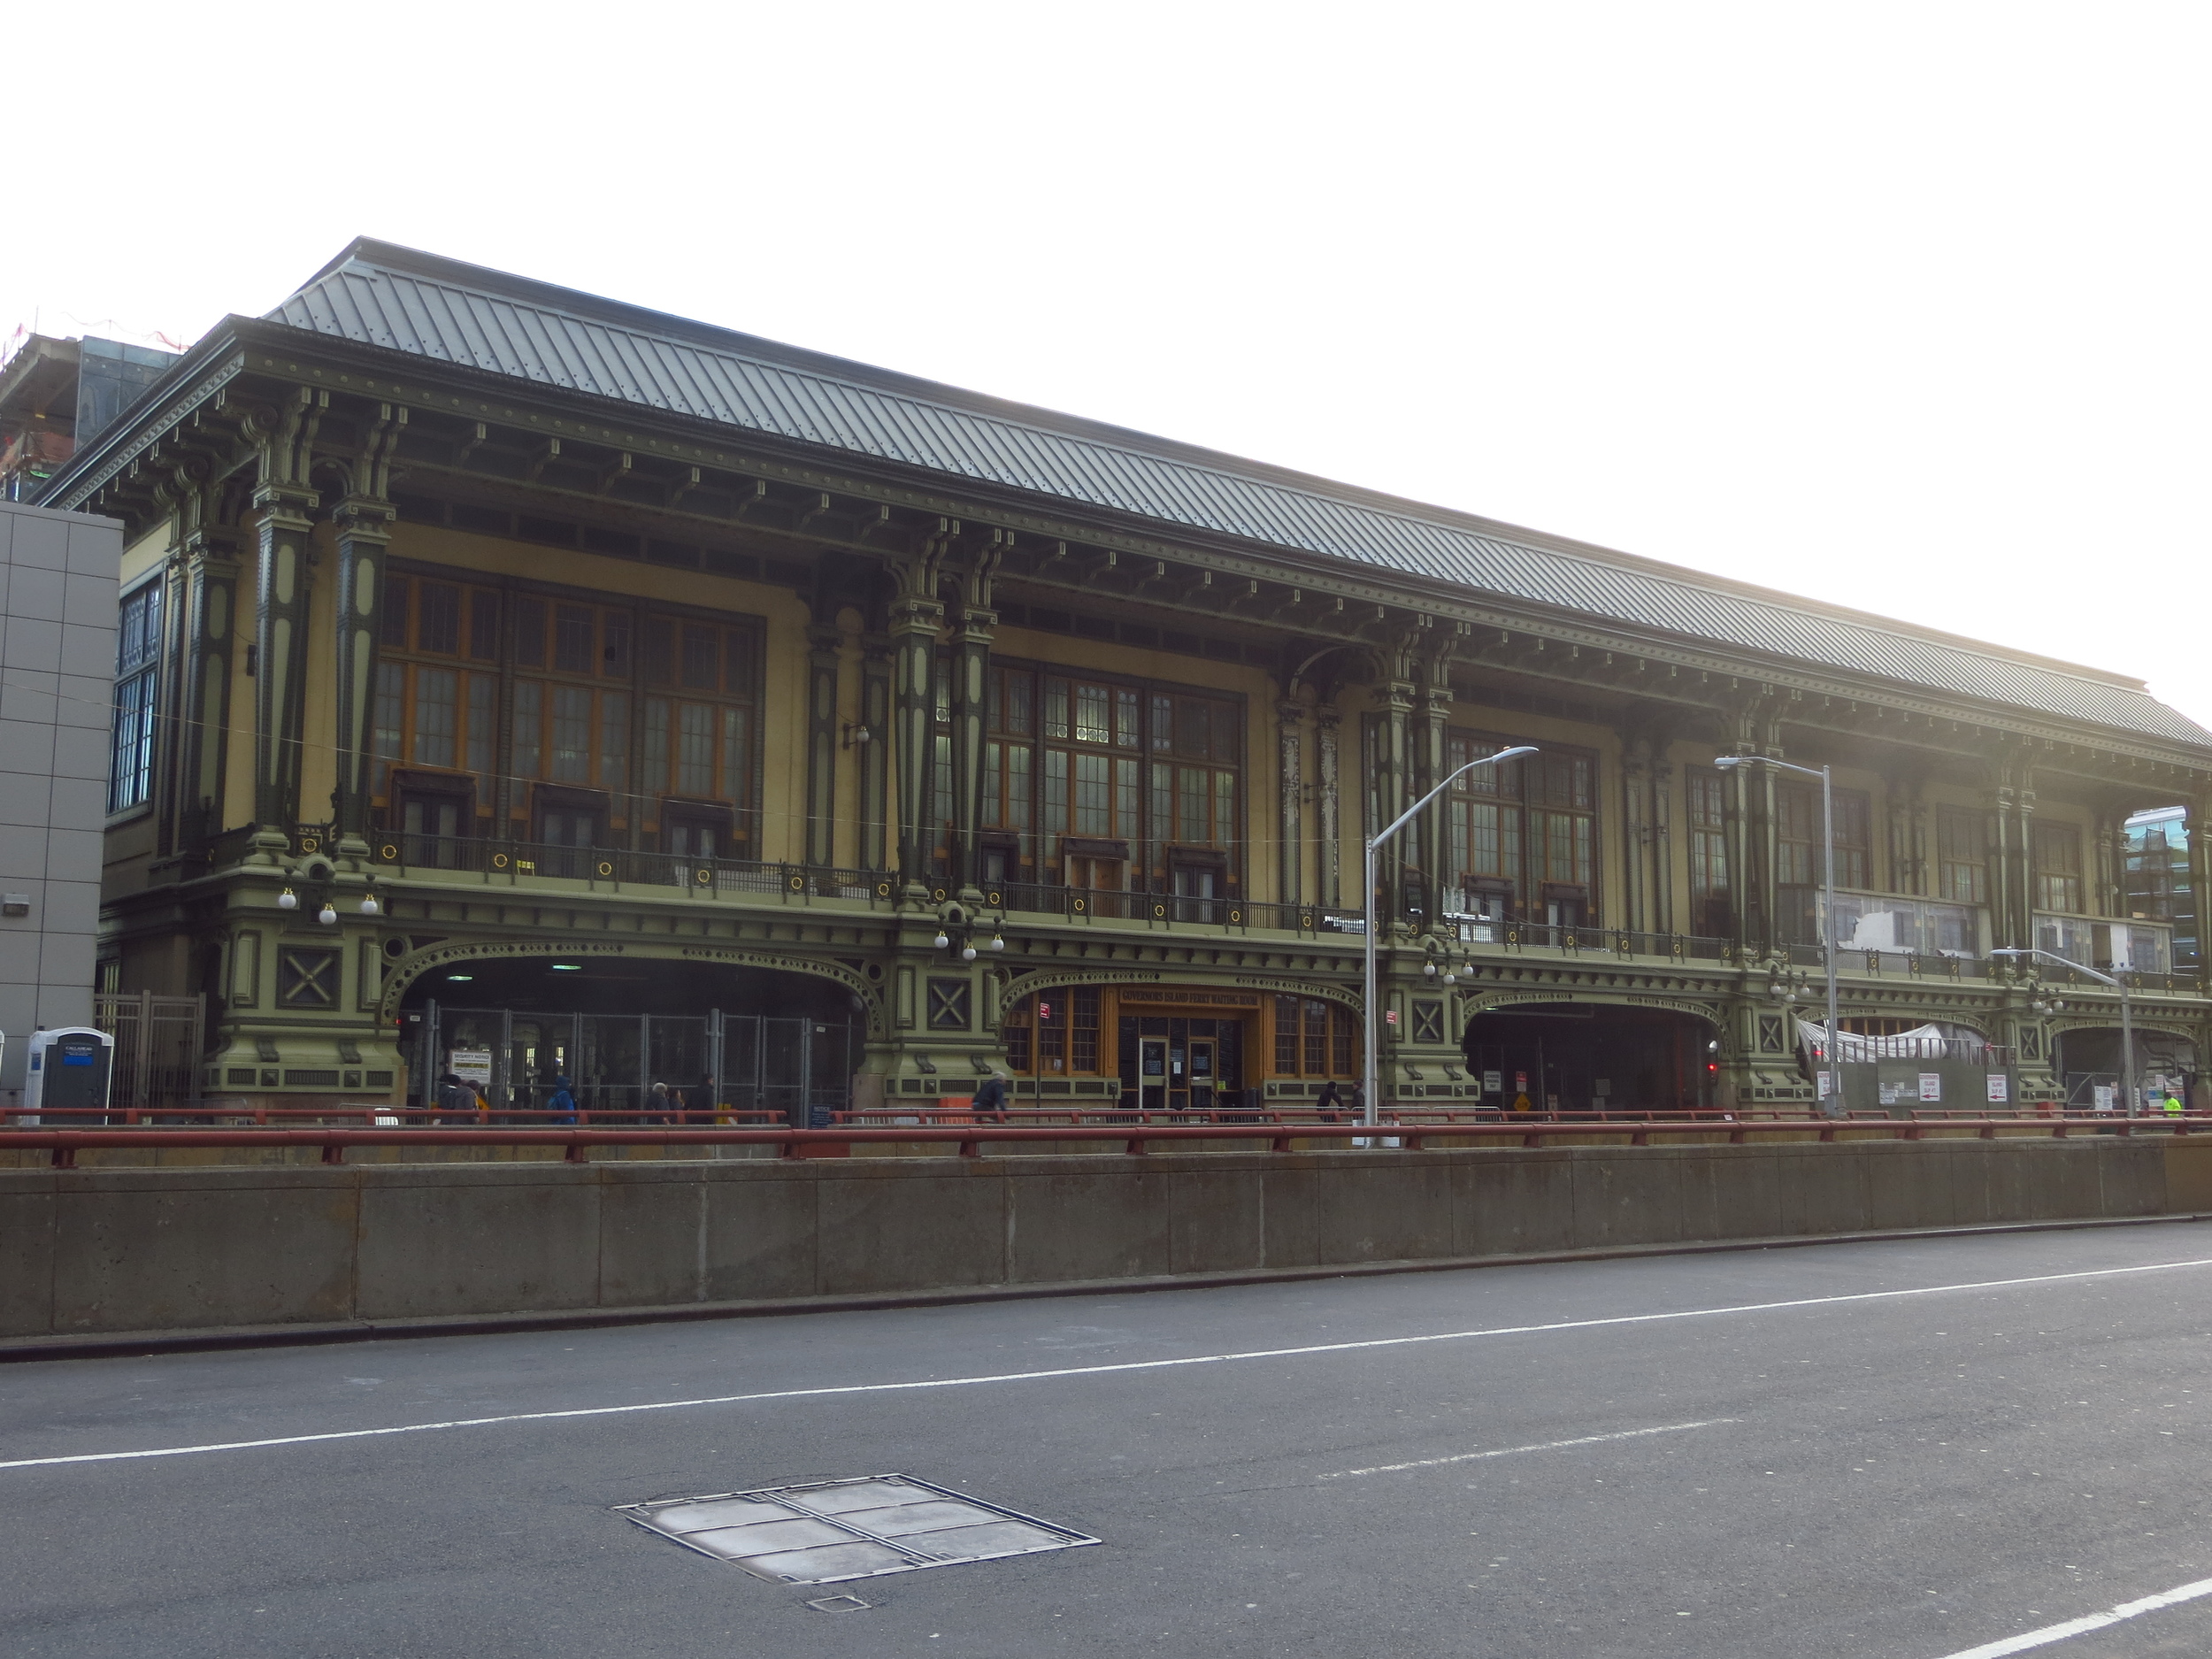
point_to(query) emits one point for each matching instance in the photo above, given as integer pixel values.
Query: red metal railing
(969, 1140)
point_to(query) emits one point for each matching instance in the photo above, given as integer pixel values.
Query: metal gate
(717, 1061)
(158, 1043)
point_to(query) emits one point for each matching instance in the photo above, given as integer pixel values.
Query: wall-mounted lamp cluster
(328, 913)
(968, 950)
(964, 936)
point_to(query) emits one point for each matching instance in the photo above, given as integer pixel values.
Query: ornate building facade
(599, 695)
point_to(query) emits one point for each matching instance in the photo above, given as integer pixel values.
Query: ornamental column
(875, 770)
(971, 676)
(823, 656)
(281, 653)
(1431, 853)
(916, 616)
(1328, 725)
(364, 527)
(2024, 861)
(1290, 850)
(1636, 834)
(1392, 741)
(2107, 882)
(211, 629)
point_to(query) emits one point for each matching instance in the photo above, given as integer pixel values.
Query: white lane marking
(2051, 1633)
(1511, 1451)
(1096, 1370)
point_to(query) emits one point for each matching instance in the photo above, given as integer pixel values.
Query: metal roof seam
(524, 339)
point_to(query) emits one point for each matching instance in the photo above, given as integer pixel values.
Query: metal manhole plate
(825, 1532)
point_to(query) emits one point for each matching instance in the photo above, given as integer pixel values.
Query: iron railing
(577, 1144)
(751, 881)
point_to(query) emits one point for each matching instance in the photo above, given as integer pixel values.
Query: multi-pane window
(1523, 830)
(2058, 885)
(1798, 863)
(1961, 855)
(1797, 836)
(1097, 782)
(1482, 817)
(1562, 817)
(435, 708)
(137, 665)
(1312, 1038)
(698, 712)
(573, 726)
(621, 720)
(1009, 783)
(1091, 760)
(1709, 913)
(1083, 1029)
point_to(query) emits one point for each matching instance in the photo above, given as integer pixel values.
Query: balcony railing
(2112, 944)
(1883, 933)
(616, 866)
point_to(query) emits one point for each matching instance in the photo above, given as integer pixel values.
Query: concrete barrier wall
(88, 1251)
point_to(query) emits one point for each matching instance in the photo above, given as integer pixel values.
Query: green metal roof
(446, 311)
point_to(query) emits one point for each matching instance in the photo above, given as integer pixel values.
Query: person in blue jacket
(562, 1106)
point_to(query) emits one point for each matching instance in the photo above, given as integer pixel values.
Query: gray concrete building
(59, 575)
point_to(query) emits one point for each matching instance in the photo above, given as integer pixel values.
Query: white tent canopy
(1922, 1042)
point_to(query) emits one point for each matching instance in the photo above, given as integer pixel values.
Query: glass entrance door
(1203, 1076)
(1152, 1074)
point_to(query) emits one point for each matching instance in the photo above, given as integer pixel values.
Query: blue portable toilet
(70, 1066)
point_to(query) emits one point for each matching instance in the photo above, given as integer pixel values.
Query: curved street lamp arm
(1403, 817)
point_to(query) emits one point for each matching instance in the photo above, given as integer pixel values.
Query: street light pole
(2127, 1017)
(1371, 1071)
(1832, 1050)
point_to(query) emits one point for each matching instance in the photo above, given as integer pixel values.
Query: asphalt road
(1914, 1476)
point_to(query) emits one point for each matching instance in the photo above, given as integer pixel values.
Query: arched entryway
(1590, 1056)
(610, 1027)
(2088, 1063)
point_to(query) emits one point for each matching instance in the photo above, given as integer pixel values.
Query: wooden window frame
(1512, 786)
(1045, 833)
(503, 616)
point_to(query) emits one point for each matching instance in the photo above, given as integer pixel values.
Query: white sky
(1900, 305)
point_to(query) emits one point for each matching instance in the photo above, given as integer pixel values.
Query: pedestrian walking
(561, 1105)
(989, 1101)
(1331, 1102)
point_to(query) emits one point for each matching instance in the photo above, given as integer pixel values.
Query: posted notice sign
(472, 1065)
(1932, 1086)
(1999, 1088)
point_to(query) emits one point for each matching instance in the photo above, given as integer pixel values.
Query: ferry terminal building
(516, 675)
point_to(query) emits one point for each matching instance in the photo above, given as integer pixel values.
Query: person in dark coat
(457, 1100)
(1330, 1103)
(990, 1099)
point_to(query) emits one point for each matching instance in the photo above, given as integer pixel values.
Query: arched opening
(1590, 1056)
(2088, 1062)
(716, 1036)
